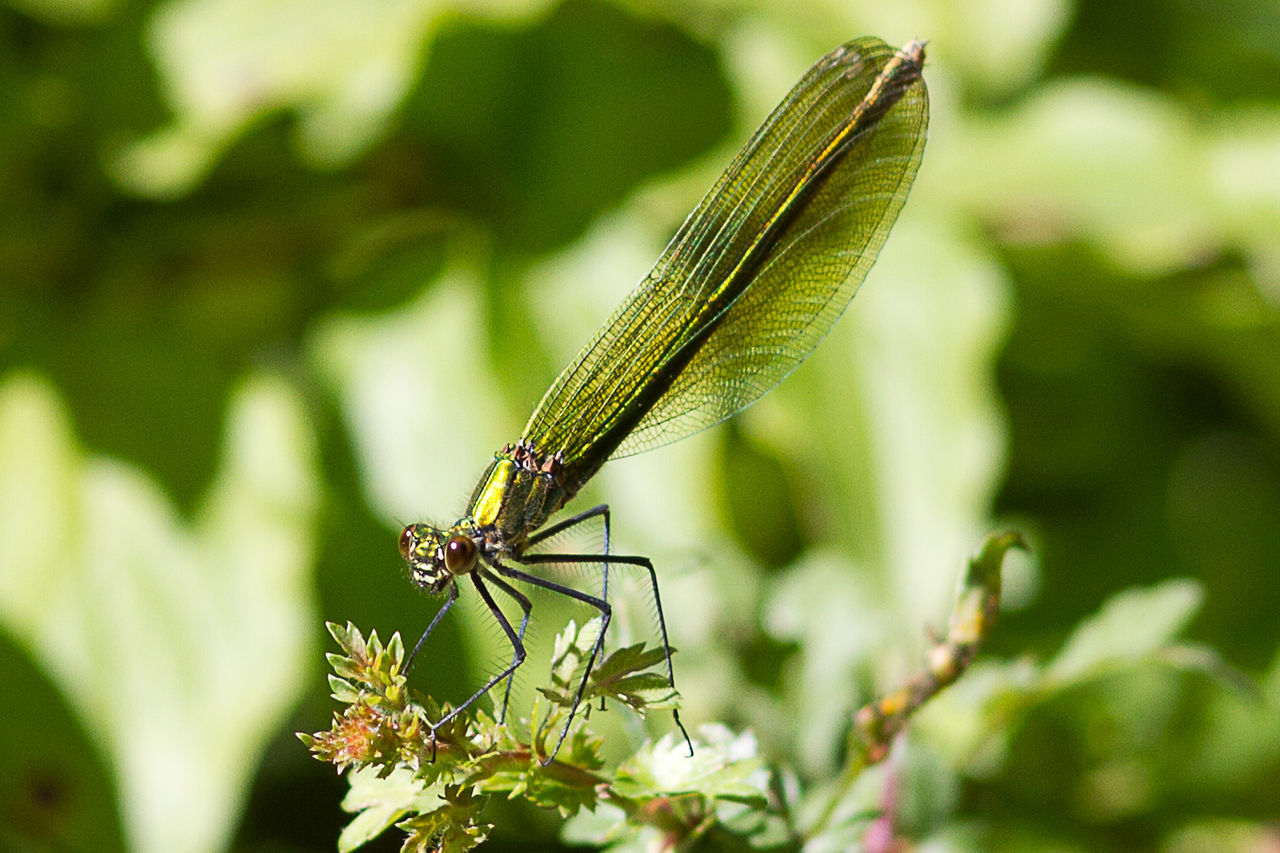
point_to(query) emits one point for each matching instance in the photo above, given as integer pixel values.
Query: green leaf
(582, 749)
(347, 637)
(381, 801)
(721, 766)
(181, 645)
(200, 52)
(1130, 625)
(622, 676)
(644, 691)
(627, 660)
(366, 826)
(343, 690)
(572, 649)
(451, 827)
(395, 651)
(549, 792)
(345, 667)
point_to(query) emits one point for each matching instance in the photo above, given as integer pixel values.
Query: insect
(748, 286)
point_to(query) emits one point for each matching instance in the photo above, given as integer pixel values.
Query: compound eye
(407, 540)
(459, 555)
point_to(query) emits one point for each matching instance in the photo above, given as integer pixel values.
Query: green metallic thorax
(516, 495)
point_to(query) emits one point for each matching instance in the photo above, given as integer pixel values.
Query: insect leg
(526, 606)
(435, 620)
(517, 657)
(606, 614)
(574, 521)
(646, 564)
(601, 510)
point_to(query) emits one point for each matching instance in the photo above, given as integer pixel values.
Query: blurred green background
(278, 276)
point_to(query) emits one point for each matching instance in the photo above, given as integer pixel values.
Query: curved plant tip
(972, 620)
(973, 617)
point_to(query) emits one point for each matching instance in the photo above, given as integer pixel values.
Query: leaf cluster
(432, 781)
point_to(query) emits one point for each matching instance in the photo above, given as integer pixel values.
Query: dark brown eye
(407, 541)
(459, 555)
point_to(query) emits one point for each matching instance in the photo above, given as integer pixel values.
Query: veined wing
(760, 270)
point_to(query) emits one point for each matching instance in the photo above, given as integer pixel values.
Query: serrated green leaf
(346, 667)
(353, 642)
(564, 641)
(572, 648)
(645, 691)
(582, 749)
(451, 827)
(382, 798)
(548, 792)
(719, 767)
(559, 698)
(454, 839)
(346, 636)
(399, 788)
(373, 646)
(367, 825)
(626, 660)
(395, 650)
(509, 782)
(342, 690)
(623, 676)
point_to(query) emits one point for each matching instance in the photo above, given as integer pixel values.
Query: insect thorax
(516, 495)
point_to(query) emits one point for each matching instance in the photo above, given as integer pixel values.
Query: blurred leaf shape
(1132, 624)
(343, 65)
(180, 645)
(1224, 835)
(398, 377)
(1130, 170)
(1129, 734)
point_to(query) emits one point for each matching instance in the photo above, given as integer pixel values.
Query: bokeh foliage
(279, 275)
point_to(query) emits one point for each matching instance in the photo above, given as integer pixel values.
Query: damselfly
(753, 279)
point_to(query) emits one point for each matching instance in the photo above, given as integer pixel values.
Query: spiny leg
(606, 614)
(647, 565)
(573, 521)
(517, 658)
(435, 620)
(545, 533)
(526, 606)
